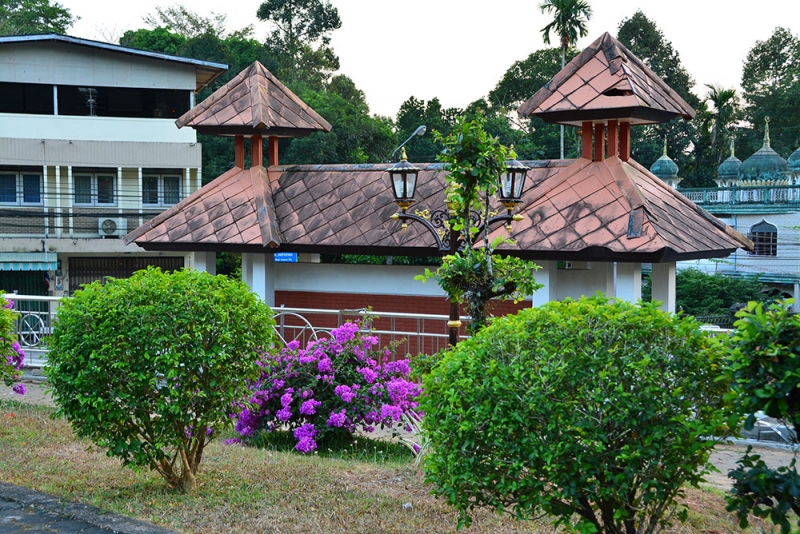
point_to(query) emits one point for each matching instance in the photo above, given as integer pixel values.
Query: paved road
(25, 511)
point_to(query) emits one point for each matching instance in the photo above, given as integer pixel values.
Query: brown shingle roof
(254, 103)
(606, 81)
(574, 209)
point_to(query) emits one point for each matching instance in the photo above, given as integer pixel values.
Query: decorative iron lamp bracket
(438, 224)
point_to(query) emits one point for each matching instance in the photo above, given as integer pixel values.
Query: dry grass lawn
(245, 490)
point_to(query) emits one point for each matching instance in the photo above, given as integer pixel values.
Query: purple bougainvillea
(329, 385)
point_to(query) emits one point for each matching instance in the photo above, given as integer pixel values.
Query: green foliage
(701, 294)
(415, 112)
(11, 355)
(764, 368)
(301, 38)
(189, 24)
(647, 42)
(156, 40)
(570, 18)
(148, 367)
(592, 410)
(771, 87)
(365, 259)
(27, 17)
(474, 161)
(355, 137)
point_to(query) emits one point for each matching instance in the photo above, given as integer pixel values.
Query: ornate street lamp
(403, 177)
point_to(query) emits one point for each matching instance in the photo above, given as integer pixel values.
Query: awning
(28, 261)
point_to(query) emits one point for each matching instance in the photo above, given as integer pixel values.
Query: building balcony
(740, 200)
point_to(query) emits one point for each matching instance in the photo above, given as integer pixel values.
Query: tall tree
(27, 17)
(521, 81)
(355, 136)
(647, 42)
(771, 87)
(301, 38)
(415, 112)
(724, 116)
(569, 22)
(188, 23)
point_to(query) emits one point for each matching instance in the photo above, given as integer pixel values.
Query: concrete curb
(81, 512)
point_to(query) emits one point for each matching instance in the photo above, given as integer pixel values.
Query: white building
(89, 150)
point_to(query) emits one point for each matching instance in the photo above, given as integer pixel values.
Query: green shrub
(148, 367)
(764, 367)
(12, 357)
(587, 410)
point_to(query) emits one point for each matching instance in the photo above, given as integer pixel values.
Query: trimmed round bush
(12, 357)
(148, 367)
(592, 411)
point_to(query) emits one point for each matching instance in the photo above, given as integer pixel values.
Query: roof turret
(729, 169)
(794, 161)
(664, 167)
(764, 165)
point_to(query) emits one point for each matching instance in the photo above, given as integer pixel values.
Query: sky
(457, 50)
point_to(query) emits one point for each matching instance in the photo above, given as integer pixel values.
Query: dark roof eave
(265, 132)
(640, 114)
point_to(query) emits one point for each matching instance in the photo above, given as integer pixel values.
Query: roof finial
(665, 144)
(766, 131)
(733, 140)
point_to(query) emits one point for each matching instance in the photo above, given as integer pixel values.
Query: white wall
(113, 129)
(339, 278)
(66, 64)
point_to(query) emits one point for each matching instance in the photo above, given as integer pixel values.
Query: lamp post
(403, 176)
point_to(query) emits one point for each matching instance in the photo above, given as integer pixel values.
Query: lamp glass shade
(513, 180)
(404, 180)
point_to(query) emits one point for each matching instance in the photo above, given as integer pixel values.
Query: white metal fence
(411, 334)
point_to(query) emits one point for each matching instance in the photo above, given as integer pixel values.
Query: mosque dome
(729, 169)
(764, 165)
(664, 167)
(794, 161)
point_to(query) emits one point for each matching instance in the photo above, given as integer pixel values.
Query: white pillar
(609, 269)
(258, 272)
(69, 200)
(59, 218)
(45, 201)
(663, 284)
(547, 276)
(187, 184)
(629, 281)
(204, 261)
(139, 192)
(796, 295)
(247, 269)
(118, 192)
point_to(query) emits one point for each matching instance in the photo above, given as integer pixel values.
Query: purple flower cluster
(330, 385)
(10, 369)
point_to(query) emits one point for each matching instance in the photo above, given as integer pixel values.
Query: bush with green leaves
(12, 357)
(764, 368)
(592, 411)
(149, 367)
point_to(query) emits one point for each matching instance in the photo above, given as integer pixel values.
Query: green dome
(729, 169)
(664, 168)
(794, 161)
(765, 164)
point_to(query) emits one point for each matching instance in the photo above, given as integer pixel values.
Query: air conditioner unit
(112, 227)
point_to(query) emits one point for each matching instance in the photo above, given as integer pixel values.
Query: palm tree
(569, 22)
(726, 107)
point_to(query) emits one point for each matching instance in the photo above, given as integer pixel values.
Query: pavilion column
(548, 277)
(273, 151)
(610, 278)
(204, 261)
(256, 151)
(625, 141)
(599, 142)
(586, 140)
(663, 284)
(613, 148)
(238, 148)
(629, 281)
(258, 272)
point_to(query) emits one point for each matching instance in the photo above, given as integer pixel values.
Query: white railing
(410, 334)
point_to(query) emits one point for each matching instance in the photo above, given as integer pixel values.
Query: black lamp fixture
(403, 176)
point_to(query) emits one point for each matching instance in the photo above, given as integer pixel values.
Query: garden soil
(723, 458)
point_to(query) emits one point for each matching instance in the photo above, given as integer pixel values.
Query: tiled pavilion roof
(606, 81)
(254, 103)
(573, 210)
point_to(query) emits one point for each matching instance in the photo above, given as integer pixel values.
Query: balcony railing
(779, 194)
(411, 334)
